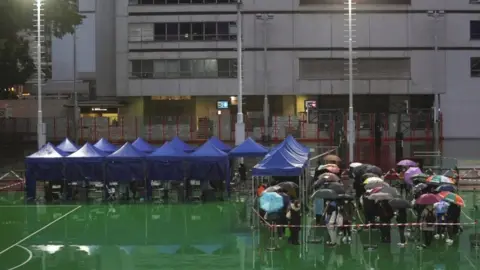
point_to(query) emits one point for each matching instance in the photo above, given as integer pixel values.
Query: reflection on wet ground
(144, 237)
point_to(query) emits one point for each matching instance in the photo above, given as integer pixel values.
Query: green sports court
(195, 236)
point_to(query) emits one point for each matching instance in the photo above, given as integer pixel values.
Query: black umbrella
(398, 203)
(327, 194)
(290, 187)
(337, 187)
(420, 187)
(345, 197)
(273, 189)
(325, 179)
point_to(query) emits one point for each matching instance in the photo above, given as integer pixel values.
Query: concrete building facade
(139, 49)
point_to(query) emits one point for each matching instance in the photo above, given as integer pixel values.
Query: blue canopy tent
(143, 146)
(208, 163)
(166, 163)
(46, 164)
(68, 146)
(178, 144)
(125, 165)
(105, 146)
(86, 164)
(291, 140)
(284, 161)
(249, 148)
(219, 144)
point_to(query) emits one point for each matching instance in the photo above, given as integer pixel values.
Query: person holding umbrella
(348, 212)
(295, 218)
(401, 205)
(441, 209)
(427, 217)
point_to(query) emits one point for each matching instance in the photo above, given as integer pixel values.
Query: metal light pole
(75, 94)
(41, 140)
(351, 121)
(436, 15)
(265, 18)
(240, 125)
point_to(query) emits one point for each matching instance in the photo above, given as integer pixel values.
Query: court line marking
(36, 205)
(30, 256)
(467, 216)
(470, 262)
(40, 230)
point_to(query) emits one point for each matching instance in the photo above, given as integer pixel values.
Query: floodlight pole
(41, 140)
(351, 121)
(75, 93)
(436, 15)
(240, 125)
(265, 18)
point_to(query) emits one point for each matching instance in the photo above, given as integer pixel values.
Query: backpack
(430, 217)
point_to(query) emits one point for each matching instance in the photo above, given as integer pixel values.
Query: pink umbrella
(407, 177)
(428, 199)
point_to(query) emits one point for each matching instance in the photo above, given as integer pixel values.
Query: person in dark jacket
(242, 171)
(283, 212)
(348, 212)
(402, 219)
(295, 218)
(453, 216)
(386, 215)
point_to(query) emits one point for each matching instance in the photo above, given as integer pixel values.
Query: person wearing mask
(453, 216)
(333, 220)
(428, 216)
(402, 219)
(348, 212)
(295, 217)
(386, 215)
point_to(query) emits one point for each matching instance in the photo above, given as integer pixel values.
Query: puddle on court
(147, 237)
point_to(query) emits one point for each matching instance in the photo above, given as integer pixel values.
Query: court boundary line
(36, 205)
(40, 230)
(30, 256)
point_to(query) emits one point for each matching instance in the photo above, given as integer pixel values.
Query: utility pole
(436, 15)
(351, 120)
(75, 94)
(41, 129)
(265, 18)
(240, 125)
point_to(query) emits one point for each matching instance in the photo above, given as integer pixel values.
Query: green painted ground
(147, 237)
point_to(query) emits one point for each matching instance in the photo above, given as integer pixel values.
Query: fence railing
(156, 129)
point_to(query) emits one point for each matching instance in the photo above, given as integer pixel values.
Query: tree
(18, 26)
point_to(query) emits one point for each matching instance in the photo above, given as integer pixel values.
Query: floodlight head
(270, 16)
(259, 16)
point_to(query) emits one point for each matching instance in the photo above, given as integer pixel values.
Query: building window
(188, 31)
(364, 2)
(475, 67)
(142, 68)
(475, 30)
(364, 69)
(176, 2)
(184, 68)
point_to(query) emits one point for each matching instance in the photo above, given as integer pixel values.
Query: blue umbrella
(271, 202)
(449, 188)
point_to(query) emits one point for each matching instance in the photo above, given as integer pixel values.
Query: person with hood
(402, 219)
(428, 217)
(348, 212)
(333, 219)
(453, 216)
(386, 215)
(295, 217)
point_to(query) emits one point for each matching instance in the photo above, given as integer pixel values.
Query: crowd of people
(361, 194)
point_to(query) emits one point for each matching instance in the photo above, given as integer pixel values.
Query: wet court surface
(147, 237)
